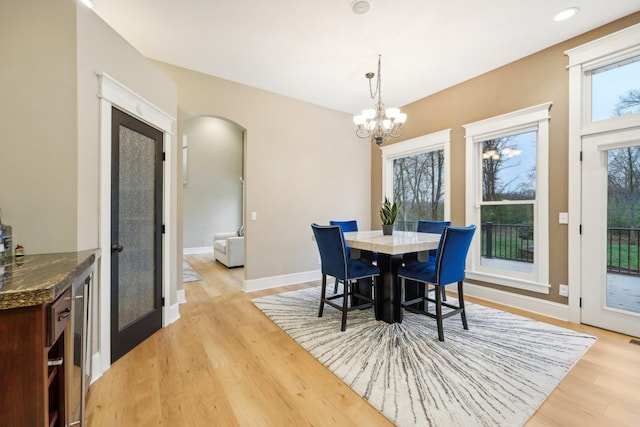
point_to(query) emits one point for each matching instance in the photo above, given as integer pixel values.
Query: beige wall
(101, 50)
(212, 196)
(49, 123)
(533, 80)
(303, 164)
(38, 138)
(49, 118)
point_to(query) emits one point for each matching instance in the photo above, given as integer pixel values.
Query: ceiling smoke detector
(360, 7)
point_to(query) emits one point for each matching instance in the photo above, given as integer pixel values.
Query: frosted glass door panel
(137, 222)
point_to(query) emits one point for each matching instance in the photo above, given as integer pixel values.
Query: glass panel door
(623, 229)
(136, 232)
(611, 232)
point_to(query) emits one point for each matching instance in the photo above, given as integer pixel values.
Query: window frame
(597, 53)
(440, 140)
(527, 119)
(583, 60)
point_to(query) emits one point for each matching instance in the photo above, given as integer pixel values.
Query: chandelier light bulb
(359, 119)
(392, 113)
(369, 113)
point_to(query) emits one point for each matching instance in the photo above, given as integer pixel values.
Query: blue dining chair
(428, 226)
(336, 263)
(448, 268)
(348, 226)
(436, 227)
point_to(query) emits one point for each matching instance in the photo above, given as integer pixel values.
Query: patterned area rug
(188, 273)
(495, 374)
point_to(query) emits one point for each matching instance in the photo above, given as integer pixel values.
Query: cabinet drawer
(58, 314)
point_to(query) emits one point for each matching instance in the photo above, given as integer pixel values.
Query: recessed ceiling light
(360, 7)
(88, 3)
(565, 14)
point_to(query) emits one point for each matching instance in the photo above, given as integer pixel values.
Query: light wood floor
(223, 363)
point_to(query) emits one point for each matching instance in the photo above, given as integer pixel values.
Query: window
(508, 199)
(507, 186)
(416, 174)
(615, 89)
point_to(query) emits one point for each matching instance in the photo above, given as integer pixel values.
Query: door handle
(116, 248)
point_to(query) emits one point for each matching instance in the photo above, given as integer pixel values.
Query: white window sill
(511, 282)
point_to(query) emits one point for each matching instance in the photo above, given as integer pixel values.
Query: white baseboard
(284, 280)
(200, 250)
(523, 302)
(173, 314)
(96, 367)
(181, 296)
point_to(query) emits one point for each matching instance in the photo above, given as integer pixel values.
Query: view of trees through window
(615, 90)
(508, 197)
(418, 185)
(623, 211)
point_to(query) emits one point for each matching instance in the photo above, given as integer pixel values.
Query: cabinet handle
(55, 362)
(64, 314)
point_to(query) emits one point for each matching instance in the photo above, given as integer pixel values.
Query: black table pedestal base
(387, 295)
(387, 290)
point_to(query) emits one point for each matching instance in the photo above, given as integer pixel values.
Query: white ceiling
(319, 50)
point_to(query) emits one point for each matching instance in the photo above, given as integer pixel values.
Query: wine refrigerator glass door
(80, 365)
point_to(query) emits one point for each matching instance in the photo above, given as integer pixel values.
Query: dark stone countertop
(41, 278)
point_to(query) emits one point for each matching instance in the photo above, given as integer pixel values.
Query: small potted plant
(388, 214)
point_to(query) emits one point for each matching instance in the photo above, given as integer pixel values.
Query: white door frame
(582, 59)
(595, 309)
(113, 93)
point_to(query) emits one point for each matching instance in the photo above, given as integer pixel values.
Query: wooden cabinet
(32, 361)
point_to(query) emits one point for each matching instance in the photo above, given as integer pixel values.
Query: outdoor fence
(514, 242)
(622, 250)
(406, 225)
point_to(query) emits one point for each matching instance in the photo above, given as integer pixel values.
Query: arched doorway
(213, 180)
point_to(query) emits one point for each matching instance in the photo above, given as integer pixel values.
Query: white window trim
(513, 122)
(582, 59)
(434, 141)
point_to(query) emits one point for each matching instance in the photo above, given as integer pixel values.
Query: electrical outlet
(563, 290)
(563, 218)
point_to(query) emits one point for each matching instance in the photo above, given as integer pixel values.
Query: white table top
(401, 242)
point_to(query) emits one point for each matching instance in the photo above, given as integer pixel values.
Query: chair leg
(444, 293)
(322, 294)
(347, 287)
(335, 287)
(463, 313)
(439, 314)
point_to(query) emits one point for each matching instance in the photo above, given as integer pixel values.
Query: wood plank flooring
(223, 363)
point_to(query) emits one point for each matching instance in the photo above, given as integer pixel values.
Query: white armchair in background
(228, 248)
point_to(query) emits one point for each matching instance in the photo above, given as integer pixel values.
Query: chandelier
(378, 124)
